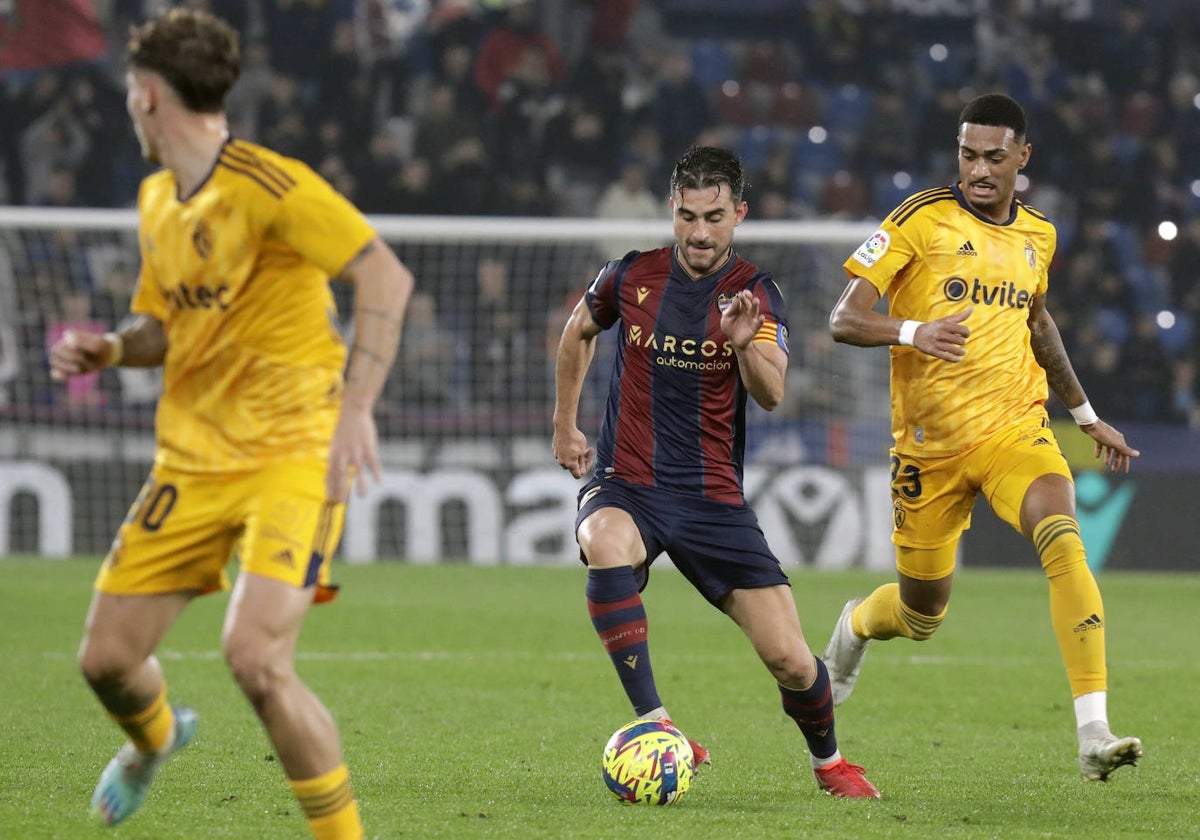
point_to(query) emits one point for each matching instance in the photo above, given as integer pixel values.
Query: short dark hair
(708, 166)
(995, 109)
(195, 51)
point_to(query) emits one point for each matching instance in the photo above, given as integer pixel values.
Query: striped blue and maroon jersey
(676, 413)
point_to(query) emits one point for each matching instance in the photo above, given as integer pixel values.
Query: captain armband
(772, 332)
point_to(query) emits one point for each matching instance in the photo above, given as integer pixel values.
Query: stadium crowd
(526, 107)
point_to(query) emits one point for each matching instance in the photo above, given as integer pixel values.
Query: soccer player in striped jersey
(701, 331)
(262, 426)
(974, 353)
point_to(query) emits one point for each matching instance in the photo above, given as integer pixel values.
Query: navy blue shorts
(718, 547)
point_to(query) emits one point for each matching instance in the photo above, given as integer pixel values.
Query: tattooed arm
(1050, 353)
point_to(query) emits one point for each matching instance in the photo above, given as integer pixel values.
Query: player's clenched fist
(81, 352)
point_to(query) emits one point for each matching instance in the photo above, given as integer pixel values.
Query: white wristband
(1084, 414)
(907, 330)
(116, 351)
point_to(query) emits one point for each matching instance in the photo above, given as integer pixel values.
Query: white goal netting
(465, 418)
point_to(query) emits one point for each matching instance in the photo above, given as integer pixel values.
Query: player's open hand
(741, 320)
(78, 352)
(945, 338)
(1111, 446)
(572, 452)
(353, 453)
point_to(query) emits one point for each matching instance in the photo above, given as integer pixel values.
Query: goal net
(465, 418)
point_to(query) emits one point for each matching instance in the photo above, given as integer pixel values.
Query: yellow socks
(1076, 609)
(152, 728)
(329, 805)
(884, 616)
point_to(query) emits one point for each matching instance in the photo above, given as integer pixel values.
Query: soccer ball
(648, 761)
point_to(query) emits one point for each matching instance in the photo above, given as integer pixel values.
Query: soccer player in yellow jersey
(973, 354)
(262, 426)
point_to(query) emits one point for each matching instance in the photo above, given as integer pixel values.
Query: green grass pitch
(475, 702)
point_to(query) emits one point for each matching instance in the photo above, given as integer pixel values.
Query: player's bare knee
(103, 666)
(792, 668)
(257, 672)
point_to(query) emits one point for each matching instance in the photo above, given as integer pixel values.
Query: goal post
(464, 420)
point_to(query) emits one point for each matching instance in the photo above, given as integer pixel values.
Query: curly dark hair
(708, 166)
(995, 109)
(195, 51)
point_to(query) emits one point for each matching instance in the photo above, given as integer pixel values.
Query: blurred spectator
(1185, 402)
(579, 155)
(503, 50)
(682, 108)
(1034, 74)
(999, 32)
(414, 194)
(37, 34)
(377, 174)
(283, 117)
(298, 32)
(887, 142)
(99, 108)
(1130, 56)
(1184, 271)
(844, 196)
(1181, 117)
(61, 189)
(1146, 372)
(425, 367)
(55, 140)
(456, 68)
(629, 197)
(526, 102)
(1096, 358)
(600, 79)
(610, 22)
(383, 31)
(344, 67)
(449, 139)
(498, 343)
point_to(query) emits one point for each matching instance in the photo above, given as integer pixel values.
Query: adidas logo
(1041, 442)
(967, 250)
(1092, 622)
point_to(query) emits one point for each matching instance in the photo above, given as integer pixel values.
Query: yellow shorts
(932, 498)
(184, 527)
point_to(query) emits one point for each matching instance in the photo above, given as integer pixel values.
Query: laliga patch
(724, 301)
(873, 249)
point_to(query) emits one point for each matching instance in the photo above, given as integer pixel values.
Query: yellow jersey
(935, 256)
(238, 274)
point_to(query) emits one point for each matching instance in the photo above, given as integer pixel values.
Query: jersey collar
(956, 188)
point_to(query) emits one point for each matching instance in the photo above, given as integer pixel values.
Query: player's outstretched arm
(1051, 354)
(142, 344)
(382, 285)
(855, 321)
(576, 349)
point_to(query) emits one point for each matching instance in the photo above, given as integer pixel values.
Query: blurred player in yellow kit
(974, 353)
(262, 426)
